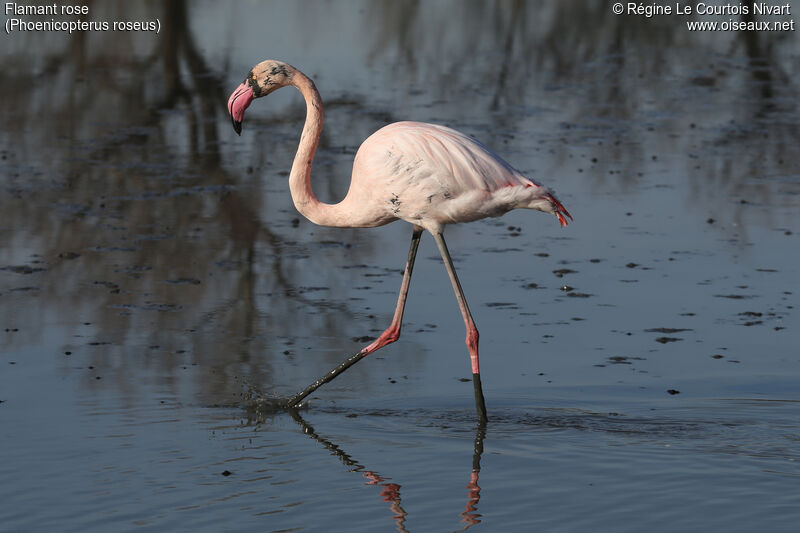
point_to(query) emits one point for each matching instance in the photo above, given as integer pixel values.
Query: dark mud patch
(144, 237)
(507, 305)
(148, 306)
(623, 360)
(106, 284)
(226, 264)
(334, 244)
(500, 250)
(22, 269)
(133, 270)
(665, 340)
(184, 281)
(222, 190)
(114, 248)
(667, 330)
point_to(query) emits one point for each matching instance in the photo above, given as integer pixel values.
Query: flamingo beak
(239, 100)
(559, 210)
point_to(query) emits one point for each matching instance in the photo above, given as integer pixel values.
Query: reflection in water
(137, 241)
(470, 516)
(632, 75)
(150, 228)
(390, 492)
(145, 190)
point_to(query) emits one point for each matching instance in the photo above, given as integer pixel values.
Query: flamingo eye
(254, 77)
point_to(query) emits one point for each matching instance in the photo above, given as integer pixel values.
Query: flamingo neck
(300, 177)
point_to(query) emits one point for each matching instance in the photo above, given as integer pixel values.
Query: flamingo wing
(431, 175)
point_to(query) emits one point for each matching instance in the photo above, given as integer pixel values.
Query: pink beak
(559, 209)
(239, 101)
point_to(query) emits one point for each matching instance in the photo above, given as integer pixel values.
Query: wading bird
(425, 174)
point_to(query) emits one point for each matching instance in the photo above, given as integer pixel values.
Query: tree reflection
(622, 74)
(167, 240)
(157, 230)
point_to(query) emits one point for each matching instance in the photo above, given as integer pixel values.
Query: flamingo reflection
(391, 495)
(470, 516)
(390, 491)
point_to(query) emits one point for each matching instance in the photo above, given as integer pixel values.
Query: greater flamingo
(425, 174)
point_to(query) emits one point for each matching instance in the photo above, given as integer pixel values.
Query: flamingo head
(262, 79)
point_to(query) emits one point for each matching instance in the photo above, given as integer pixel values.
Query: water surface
(640, 366)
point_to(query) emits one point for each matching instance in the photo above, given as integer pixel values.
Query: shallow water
(154, 274)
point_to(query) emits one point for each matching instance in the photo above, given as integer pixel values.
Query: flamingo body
(431, 175)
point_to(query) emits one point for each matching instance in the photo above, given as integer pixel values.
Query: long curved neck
(300, 177)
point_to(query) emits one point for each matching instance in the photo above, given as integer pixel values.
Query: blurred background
(148, 254)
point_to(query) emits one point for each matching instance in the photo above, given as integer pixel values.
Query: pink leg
(391, 334)
(472, 331)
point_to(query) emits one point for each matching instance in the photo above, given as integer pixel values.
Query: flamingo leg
(472, 331)
(391, 334)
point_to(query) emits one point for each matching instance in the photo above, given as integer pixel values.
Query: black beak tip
(237, 126)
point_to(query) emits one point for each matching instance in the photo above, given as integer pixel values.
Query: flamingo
(426, 174)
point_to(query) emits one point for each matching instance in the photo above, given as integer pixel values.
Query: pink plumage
(431, 175)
